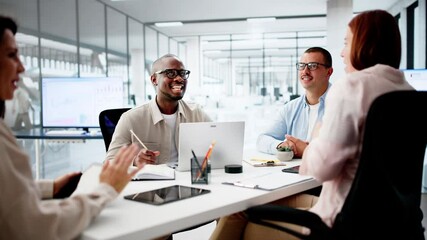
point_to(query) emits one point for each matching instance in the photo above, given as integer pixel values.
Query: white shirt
(312, 119)
(170, 121)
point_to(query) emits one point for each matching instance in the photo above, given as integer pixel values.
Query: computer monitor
(72, 102)
(417, 78)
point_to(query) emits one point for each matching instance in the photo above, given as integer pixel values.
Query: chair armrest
(264, 214)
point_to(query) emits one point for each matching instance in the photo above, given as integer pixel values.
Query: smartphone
(291, 169)
(69, 188)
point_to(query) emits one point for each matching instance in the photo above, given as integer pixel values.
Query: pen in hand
(139, 140)
(148, 156)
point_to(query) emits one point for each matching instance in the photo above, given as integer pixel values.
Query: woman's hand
(116, 172)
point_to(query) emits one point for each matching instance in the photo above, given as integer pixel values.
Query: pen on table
(264, 160)
(139, 140)
(269, 164)
(239, 184)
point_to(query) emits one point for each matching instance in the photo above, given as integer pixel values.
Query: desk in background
(123, 219)
(39, 134)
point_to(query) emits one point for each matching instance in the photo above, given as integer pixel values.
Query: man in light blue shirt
(298, 117)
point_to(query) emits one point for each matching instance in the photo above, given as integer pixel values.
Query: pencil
(139, 140)
(208, 155)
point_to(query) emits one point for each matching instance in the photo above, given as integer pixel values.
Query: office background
(241, 54)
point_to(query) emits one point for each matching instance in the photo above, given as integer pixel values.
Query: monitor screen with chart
(72, 102)
(417, 78)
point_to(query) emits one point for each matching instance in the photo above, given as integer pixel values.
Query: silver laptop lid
(228, 137)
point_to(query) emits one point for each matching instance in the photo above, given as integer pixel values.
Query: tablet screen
(166, 195)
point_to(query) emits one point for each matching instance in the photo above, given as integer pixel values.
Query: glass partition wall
(85, 38)
(245, 77)
(255, 65)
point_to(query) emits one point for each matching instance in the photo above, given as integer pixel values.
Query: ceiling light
(168, 24)
(261, 20)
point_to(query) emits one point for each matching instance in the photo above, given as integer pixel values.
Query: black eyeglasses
(311, 65)
(173, 73)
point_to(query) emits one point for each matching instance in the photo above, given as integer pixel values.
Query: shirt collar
(157, 115)
(321, 99)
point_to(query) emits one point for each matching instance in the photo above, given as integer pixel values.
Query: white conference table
(124, 219)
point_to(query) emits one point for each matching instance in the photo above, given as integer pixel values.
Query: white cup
(284, 155)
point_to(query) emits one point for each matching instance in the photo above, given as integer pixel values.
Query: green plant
(284, 149)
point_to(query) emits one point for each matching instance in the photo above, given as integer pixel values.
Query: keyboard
(65, 132)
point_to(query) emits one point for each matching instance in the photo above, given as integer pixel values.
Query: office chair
(107, 121)
(384, 199)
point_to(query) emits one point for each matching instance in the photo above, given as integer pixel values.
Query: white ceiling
(205, 17)
(215, 20)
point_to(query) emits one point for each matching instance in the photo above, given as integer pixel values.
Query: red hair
(376, 40)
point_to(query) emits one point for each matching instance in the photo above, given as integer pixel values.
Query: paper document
(270, 181)
(262, 159)
(89, 180)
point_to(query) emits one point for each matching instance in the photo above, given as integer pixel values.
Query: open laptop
(228, 149)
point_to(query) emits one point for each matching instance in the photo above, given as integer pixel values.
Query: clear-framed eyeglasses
(173, 73)
(311, 65)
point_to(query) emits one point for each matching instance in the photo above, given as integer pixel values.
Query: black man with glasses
(156, 122)
(298, 117)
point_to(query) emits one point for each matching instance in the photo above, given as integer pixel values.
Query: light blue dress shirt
(293, 119)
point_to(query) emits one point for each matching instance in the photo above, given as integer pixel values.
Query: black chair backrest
(384, 200)
(107, 121)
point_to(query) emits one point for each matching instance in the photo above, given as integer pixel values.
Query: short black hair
(155, 63)
(326, 55)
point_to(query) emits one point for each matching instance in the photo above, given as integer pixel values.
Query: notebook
(155, 172)
(228, 148)
(90, 178)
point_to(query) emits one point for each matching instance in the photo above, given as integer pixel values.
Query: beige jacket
(148, 124)
(23, 213)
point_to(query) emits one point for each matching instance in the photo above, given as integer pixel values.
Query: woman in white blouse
(24, 211)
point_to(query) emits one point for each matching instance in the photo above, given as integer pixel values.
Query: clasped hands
(297, 145)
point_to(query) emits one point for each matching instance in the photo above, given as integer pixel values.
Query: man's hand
(297, 145)
(116, 172)
(146, 156)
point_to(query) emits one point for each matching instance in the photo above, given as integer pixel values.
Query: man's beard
(172, 97)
